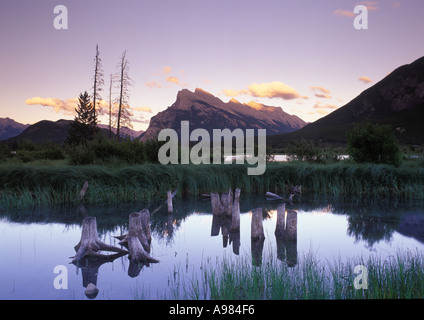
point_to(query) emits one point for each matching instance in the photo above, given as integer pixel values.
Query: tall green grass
(40, 185)
(397, 277)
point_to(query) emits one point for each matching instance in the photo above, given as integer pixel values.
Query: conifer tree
(81, 129)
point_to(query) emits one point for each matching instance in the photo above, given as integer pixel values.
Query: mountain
(206, 111)
(57, 131)
(10, 128)
(397, 100)
(45, 131)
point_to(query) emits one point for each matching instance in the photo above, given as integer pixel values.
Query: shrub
(373, 143)
(304, 150)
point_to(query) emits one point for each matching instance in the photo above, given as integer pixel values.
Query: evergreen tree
(81, 129)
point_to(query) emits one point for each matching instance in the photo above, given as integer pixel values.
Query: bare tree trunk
(90, 244)
(110, 108)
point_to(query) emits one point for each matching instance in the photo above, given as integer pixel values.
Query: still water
(34, 242)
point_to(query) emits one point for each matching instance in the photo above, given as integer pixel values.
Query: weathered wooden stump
(138, 238)
(222, 205)
(90, 244)
(281, 220)
(257, 228)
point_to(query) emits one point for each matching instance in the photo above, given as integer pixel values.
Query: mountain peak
(207, 111)
(234, 101)
(201, 91)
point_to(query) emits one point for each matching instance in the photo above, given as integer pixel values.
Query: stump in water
(281, 218)
(222, 205)
(257, 228)
(139, 238)
(90, 244)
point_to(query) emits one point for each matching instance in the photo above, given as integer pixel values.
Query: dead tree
(90, 244)
(123, 84)
(139, 238)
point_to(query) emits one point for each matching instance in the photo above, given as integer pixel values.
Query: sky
(305, 56)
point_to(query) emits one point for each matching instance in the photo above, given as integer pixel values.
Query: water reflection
(192, 229)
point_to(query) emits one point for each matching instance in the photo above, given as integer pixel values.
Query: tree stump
(138, 238)
(222, 205)
(281, 220)
(257, 228)
(90, 244)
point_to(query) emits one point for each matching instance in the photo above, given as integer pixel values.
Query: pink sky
(305, 56)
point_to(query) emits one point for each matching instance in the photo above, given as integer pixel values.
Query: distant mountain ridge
(57, 131)
(10, 128)
(397, 100)
(204, 110)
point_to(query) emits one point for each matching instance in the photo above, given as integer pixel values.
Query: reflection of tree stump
(286, 236)
(281, 220)
(139, 237)
(235, 215)
(90, 244)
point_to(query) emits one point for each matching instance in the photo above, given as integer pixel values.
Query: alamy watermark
(201, 152)
(360, 281)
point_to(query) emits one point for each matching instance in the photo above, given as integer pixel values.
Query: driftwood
(272, 196)
(83, 191)
(90, 244)
(139, 237)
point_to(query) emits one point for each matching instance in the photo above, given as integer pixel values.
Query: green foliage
(107, 151)
(304, 150)
(373, 143)
(83, 128)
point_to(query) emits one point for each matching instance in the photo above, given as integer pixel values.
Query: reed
(397, 277)
(32, 186)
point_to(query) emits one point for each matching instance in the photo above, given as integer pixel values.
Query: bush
(373, 143)
(303, 150)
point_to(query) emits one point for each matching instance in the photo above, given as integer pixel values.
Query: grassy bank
(396, 277)
(41, 185)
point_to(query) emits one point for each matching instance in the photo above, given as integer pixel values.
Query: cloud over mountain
(275, 89)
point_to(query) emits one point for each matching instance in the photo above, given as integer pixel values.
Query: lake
(34, 242)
